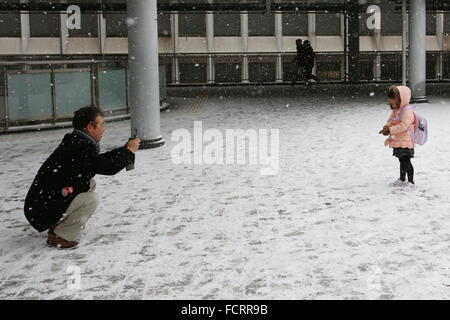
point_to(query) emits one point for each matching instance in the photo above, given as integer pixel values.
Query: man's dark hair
(84, 116)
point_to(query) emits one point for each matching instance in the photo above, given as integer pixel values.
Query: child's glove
(385, 131)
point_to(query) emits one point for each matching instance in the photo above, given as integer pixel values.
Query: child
(399, 137)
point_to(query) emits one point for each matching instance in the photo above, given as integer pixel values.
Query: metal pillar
(210, 46)
(417, 50)
(279, 39)
(244, 37)
(144, 72)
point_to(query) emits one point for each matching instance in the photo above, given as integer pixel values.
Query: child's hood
(405, 95)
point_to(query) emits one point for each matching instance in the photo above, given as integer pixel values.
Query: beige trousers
(78, 213)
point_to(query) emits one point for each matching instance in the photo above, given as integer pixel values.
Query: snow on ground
(326, 226)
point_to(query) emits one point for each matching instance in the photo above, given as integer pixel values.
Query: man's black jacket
(73, 164)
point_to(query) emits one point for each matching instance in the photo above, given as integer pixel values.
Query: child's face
(392, 103)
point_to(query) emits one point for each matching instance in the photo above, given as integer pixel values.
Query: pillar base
(422, 99)
(152, 144)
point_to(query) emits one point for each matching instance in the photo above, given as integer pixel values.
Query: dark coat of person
(73, 164)
(300, 57)
(309, 56)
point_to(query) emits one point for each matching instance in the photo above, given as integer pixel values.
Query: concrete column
(417, 50)
(64, 33)
(244, 37)
(312, 34)
(210, 44)
(25, 30)
(144, 72)
(102, 32)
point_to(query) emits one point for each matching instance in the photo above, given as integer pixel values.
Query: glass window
(112, 90)
(227, 72)
(2, 99)
(446, 66)
(227, 25)
(295, 24)
(193, 72)
(45, 25)
(10, 25)
(116, 25)
(290, 69)
(447, 23)
(363, 29)
(73, 91)
(192, 25)
(29, 97)
(391, 21)
(431, 24)
(164, 25)
(89, 26)
(262, 71)
(261, 25)
(366, 67)
(328, 24)
(431, 66)
(391, 67)
(329, 69)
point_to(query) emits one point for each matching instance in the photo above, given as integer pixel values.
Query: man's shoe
(54, 240)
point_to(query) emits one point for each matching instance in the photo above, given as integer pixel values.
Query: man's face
(96, 129)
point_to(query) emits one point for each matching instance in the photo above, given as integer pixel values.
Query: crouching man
(62, 198)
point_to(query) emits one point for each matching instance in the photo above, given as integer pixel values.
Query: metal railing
(49, 83)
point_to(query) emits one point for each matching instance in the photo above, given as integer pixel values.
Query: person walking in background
(299, 60)
(309, 62)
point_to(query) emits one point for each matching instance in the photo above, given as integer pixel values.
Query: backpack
(420, 133)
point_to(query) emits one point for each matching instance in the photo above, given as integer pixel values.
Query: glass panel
(366, 65)
(261, 71)
(29, 97)
(363, 29)
(227, 25)
(164, 25)
(431, 66)
(10, 24)
(192, 25)
(45, 25)
(328, 24)
(73, 91)
(329, 70)
(89, 26)
(295, 24)
(193, 72)
(391, 22)
(227, 72)
(2, 99)
(261, 25)
(446, 66)
(391, 67)
(112, 90)
(447, 23)
(116, 25)
(431, 24)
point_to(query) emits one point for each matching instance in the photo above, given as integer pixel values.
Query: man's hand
(133, 145)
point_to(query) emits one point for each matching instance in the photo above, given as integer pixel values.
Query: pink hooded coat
(400, 137)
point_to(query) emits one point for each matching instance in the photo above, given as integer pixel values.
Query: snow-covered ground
(326, 226)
